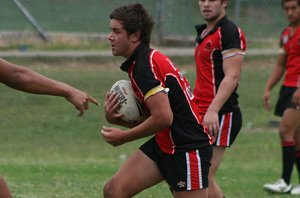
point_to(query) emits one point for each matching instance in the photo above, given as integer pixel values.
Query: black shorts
(230, 125)
(285, 100)
(183, 171)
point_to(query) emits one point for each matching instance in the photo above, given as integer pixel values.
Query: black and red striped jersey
(148, 68)
(291, 46)
(210, 51)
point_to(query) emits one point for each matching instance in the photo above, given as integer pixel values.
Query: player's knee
(108, 190)
(113, 189)
(286, 132)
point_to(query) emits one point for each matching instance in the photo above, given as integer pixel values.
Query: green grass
(47, 151)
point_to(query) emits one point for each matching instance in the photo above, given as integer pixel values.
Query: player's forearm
(226, 88)
(149, 127)
(274, 77)
(25, 79)
(29, 81)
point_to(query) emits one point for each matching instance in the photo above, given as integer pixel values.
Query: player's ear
(225, 3)
(136, 36)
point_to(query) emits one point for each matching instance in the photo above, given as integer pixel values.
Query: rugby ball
(130, 106)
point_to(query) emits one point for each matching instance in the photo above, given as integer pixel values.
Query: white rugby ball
(131, 108)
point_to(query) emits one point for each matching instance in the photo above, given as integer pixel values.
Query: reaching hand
(80, 100)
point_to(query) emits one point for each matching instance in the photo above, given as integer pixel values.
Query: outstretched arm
(24, 79)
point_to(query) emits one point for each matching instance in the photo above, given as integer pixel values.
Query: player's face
(120, 41)
(292, 10)
(212, 10)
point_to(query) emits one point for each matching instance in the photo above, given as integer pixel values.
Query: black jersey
(149, 69)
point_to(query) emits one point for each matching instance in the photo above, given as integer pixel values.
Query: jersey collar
(199, 28)
(125, 66)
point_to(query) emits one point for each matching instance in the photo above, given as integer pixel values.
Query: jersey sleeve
(146, 78)
(283, 40)
(156, 90)
(233, 41)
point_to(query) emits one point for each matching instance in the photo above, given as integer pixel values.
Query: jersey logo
(208, 46)
(190, 93)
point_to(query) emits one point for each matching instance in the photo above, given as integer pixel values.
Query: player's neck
(131, 49)
(212, 24)
(295, 25)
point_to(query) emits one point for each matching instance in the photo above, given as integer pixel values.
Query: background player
(288, 63)
(219, 56)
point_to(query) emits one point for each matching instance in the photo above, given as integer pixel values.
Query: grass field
(48, 152)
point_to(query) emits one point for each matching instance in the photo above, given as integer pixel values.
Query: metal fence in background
(261, 20)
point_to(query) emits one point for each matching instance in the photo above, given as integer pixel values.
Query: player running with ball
(180, 151)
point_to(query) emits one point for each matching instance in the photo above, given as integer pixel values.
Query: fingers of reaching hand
(80, 109)
(93, 100)
(84, 106)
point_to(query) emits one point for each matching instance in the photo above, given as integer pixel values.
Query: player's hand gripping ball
(131, 108)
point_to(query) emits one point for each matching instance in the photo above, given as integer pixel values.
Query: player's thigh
(218, 153)
(138, 172)
(203, 193)
(290, 122)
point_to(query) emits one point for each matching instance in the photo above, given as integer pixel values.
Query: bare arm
(161, 117)
(232, 70)
(24, 79)
(274, 78)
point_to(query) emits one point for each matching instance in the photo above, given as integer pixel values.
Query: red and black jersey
(291, 46)
(225, 40)
(147, 69)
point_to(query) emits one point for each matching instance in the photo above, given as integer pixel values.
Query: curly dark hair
(134, 18)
